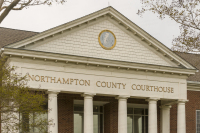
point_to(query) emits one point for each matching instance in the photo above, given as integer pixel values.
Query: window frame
(95, 103)
(197, 122)
(33, 119)
(133, 106)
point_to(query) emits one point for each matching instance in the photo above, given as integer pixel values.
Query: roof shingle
(193, 59)
(8, 36)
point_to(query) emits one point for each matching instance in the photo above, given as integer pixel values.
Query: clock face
(107, 39)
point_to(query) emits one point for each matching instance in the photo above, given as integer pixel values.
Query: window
(198, 121)
(137, 120)
(29, 119)
(79, 119)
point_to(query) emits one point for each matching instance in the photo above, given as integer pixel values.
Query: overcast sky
(41, 18)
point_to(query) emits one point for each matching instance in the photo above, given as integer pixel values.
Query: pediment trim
(122, 21)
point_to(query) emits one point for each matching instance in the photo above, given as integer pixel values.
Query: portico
(122, 114)
(95, 85)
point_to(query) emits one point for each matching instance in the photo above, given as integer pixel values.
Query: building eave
(193, 86)
(64, 58)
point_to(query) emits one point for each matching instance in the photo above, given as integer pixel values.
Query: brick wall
(173, 119)
(65, 112)
(191, 107)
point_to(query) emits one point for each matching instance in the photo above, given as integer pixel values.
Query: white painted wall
(94, 74)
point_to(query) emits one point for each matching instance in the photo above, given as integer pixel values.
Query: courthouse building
(104, 74)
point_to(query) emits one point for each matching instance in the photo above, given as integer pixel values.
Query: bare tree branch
(7, 5)
(8, 9)
(184, 12)
(23, 5)
(4, 7)
(1, 3)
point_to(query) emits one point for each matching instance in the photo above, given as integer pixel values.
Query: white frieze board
(80, 38)
(80, 79)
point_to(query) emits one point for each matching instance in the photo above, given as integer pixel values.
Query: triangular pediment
(80, 38)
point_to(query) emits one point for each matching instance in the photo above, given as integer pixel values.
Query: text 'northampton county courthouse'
(104, 74)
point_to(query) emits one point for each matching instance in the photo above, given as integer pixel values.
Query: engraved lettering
(172, 90)
(42, 79)
(160, 88)
(97, 84)
(119, 85)
(59, 81)
(164, 89)
(32, 78)
(114, 85)
(143, 88)
(147, 88)
(155, 88)
(151, 87)
(87, 83)
(71, 81)
(37, 78)
(123, 85)
(133, 87)
(54, 79)
(168, 89)
(103, 84)
(137, 87)
(65, 81)
(81, 82)
(108, 85)
(76, 81)
(47, 78)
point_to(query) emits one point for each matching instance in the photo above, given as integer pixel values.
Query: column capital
(88, 94)
(152, 99)
(122, 97)
(165, 106)
(52, 92)
(182, 101)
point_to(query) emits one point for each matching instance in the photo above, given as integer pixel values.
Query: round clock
(107, 39)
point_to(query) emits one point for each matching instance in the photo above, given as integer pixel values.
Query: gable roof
(18, 48)
(120, 19)
(193, 59)
(9, 36)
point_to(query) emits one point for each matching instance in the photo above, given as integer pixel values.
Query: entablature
(79, 60)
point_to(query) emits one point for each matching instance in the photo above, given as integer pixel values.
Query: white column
(88, 112)
(122, 114)
(181, 121)
(152, 121)
(53, 111)
(165, 118)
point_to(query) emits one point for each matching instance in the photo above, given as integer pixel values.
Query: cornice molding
(80, 60)
(193, 86)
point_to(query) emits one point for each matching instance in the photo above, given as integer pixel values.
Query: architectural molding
(193, 86)
(80, 60)
(152, 99)
(115, 15)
